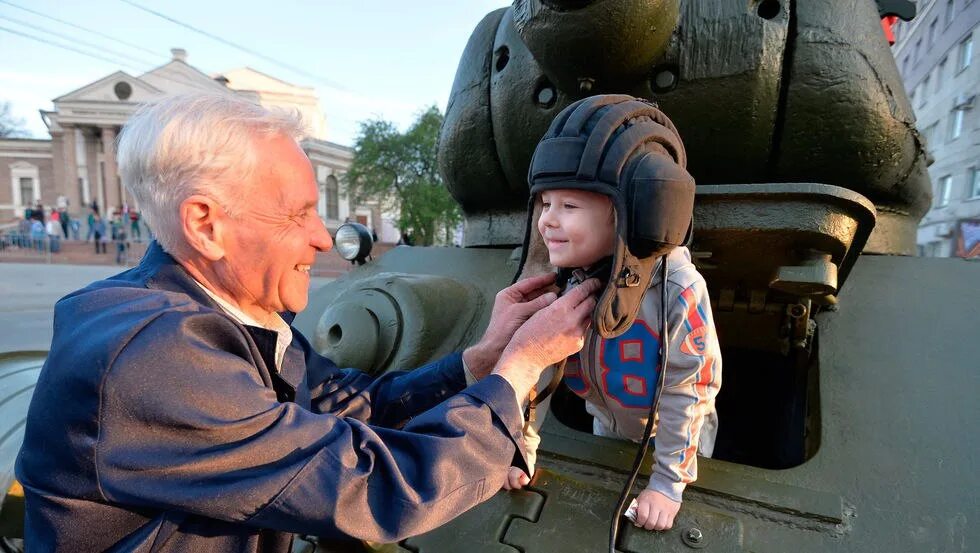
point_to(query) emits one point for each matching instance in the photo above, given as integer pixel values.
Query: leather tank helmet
(627, 149)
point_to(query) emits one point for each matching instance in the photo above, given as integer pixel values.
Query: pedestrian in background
(99, 232)
(134, 223)
(37, 234)
(53, 230)
(91, 225)
(122, 245)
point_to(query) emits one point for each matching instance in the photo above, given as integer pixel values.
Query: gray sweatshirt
(618, 379)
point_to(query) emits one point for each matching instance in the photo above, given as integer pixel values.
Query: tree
(10, 127)
(400, 170)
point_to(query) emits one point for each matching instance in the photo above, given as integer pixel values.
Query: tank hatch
(778, 248)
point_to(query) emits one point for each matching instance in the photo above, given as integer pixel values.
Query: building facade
(272, 92)
(77, 166)
(937, 58)
(28, 164)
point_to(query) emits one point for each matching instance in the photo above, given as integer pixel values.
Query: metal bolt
(585, 84)
(693, 538)
(665, 77)
(665, 80)
(546, 96)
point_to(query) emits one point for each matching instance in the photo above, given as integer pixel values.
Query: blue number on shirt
(629, 366)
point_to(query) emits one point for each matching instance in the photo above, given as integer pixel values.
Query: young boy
(597, 220)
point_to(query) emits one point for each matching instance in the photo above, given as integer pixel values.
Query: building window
(949, 12)
(935, 248)
(939, 72)
(918, 50)
(945, 190)
(932, 31)
(965, 54)
(925, 91)
(955, 123)
(930, 135)
(25, 184)
(27, 191)
(974, 176)
(333, 198)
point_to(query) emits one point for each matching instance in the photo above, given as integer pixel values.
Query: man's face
(271, 247)
(577, 227)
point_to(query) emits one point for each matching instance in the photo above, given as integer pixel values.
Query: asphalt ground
(29, 291)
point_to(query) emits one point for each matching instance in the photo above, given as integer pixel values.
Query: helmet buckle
(628, 278)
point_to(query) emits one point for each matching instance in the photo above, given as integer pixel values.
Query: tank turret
(763, 92)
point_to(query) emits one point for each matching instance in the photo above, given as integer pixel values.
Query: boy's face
(577, 227)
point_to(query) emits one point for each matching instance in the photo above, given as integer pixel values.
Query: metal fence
(16, 246)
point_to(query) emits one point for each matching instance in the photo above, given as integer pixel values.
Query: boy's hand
(655, 511)
(516, 479)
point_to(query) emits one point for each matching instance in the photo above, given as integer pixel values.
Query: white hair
(194, 144)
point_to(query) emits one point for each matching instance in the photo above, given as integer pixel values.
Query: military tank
(849, 364)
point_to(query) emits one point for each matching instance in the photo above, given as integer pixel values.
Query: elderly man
(178, 411)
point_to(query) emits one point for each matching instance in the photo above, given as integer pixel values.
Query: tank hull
(891, 467)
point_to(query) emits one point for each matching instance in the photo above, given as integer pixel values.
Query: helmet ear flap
(660, 200)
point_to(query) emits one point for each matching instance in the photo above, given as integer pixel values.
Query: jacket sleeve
(692, 381)
(196, 431)
(388, 400)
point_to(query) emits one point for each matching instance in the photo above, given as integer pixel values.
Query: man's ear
(202, 223)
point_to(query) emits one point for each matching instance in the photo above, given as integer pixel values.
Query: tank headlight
(353, 242)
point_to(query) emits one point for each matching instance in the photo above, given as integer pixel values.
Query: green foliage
(10, 127)
(400, 170)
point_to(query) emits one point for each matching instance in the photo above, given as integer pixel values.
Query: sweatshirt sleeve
(532, 429)
(691, 383)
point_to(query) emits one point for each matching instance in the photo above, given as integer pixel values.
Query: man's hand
(550, 335)
(511, 307)
(655, 511)
(516, 479)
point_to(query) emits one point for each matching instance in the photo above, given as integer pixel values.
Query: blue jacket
(157, 425)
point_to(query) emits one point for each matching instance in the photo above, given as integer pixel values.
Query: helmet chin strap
(651, 416)
(567, 278)
(601, 270)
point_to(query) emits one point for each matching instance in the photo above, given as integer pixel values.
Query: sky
(367, 59)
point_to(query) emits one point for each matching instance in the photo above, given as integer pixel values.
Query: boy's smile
(577, 226)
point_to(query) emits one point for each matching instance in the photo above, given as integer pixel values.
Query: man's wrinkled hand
(516, 479)
(547, 337)
(512, 306)
(655, 511)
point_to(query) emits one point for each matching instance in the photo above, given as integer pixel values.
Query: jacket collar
(160, 271)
